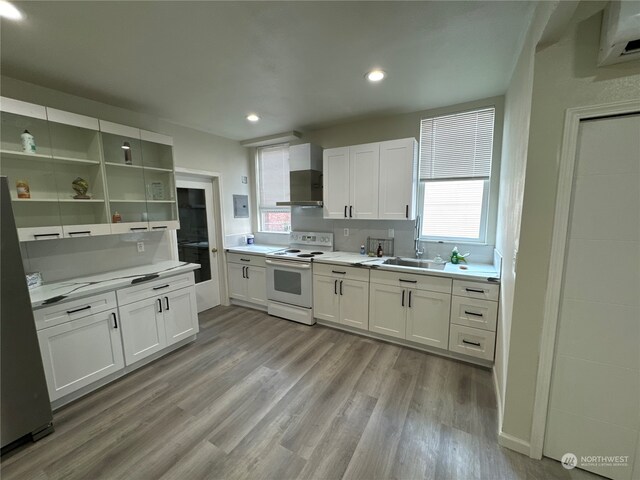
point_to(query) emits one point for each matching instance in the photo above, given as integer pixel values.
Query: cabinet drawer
(483, 291)
(341, 272)
(39, 233)
(244, 259)
(73, 310)
(481, 314)
(130, 227)
(73, 231)
(155, 288)
(408, 280)
(472, 341)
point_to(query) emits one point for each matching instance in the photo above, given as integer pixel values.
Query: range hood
(305, 176)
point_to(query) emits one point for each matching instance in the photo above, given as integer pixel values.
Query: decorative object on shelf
(81, 187)
(28, 142)
(156, 191)
(34, 280)
(385, 243)
(379, 251)
(23, 189)
(126, 146)
(456, 257)
(116, 217)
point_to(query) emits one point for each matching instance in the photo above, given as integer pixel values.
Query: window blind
(273, 175)
(457, 146)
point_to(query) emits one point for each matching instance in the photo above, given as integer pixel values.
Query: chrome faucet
(416, 238)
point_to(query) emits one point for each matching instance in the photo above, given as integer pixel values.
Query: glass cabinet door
(126, 186)
(75, 147)
(25, 158)
(157, 158)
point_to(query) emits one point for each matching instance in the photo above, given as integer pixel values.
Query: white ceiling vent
(620, 36)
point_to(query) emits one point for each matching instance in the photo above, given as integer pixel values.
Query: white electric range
(289, 275)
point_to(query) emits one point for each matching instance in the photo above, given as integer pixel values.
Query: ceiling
(299, 65)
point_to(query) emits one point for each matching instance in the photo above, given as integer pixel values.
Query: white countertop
(102, 282)
(256, 249)
(473, 271)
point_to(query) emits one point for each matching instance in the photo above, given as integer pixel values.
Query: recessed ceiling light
(252, 117)
(7, 10)
(375, 75)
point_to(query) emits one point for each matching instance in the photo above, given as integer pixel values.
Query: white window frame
(489, 204)
(257, 191)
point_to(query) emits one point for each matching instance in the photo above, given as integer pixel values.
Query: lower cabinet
(247, 283)
(341, 300)
(80, 352)
(180, 315)
(388, 311)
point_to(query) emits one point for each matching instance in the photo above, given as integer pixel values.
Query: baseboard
(514, 443)
(496, 387)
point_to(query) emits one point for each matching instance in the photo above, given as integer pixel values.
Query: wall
(193, 149)
(565, 75)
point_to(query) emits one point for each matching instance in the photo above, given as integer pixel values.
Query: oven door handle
(296, 265)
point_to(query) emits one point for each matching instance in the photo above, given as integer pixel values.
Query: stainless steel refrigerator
(24, 400)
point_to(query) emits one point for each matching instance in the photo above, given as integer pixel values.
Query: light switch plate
(346, 232)
(140, 246)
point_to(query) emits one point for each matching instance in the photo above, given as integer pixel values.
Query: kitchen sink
(414, 262)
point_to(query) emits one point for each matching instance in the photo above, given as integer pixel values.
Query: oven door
(289, 282)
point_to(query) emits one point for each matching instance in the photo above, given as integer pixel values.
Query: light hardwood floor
(260, 397)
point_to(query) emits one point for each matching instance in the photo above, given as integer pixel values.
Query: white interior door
(594, 404)
(196, 239)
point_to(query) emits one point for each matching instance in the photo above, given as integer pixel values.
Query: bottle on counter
(116, 217)
(28, 142)
(126, 146)
(22, 189)
(362, 250)
(379, 251)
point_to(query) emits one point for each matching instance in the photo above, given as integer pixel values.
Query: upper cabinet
(371, 181)
(72, 175)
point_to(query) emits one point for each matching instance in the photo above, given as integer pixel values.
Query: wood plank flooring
(259, 397)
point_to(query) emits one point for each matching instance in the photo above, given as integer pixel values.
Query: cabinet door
(335, 169)
(257, 285)
(237, 281)
(180, 314)
(364, 162)
(143, 332)
(398, 177)
(387, 313)
(80, 352)
(428, 318)
(326, 298)
(354, 303)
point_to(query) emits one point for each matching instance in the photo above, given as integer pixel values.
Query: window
(455, 170)
(273, 186)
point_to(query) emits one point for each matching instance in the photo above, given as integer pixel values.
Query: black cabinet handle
(87, 307)
(345, 211)
(475, 344)
(337, 271)
(351, 211)
(243, 272)
(83, 232)
(247, 272)
(46, 235)
(136, 229)
(408, 281)
(245, 259)
(406, 212)
(474, 290)
(159, 305)
(166, 299)
(340, 287)
(161, 287)
(409, 298)
(159, 227)
(474, 314)
(403, 298)
(335, 287)
(115, 320)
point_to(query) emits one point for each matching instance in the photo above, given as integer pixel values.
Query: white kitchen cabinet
(387, 310)
(398, 179)
(336, 187)
(180, 314)
(247, 283)
(364, 166)
(341, 295)
(237, 281)
(326, 301)
(79, 352)
(428, 318)
(354, 303)
(143, 329)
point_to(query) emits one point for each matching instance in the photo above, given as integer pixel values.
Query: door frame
(568, 153)
(218, 218)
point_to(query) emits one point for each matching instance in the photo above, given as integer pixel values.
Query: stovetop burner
(305, 255)
(292, 250)
(317, 253)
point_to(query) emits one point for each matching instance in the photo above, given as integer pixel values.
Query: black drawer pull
(136, 229)
(474, 314)
(337, 271)
(86, 307)
(46, 235)
(474, 290)
(159, 227)
(245, 259)
(84, 232)
(161, 287)
(408, 281)
(115, 320)
(475, 344)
